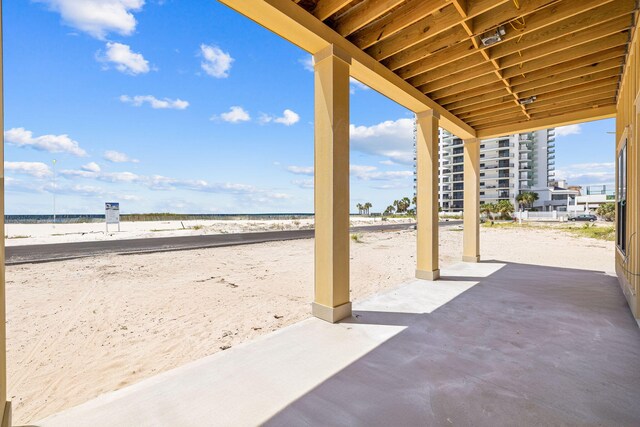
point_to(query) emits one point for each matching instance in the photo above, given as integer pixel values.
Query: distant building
(508, 165)
(558, 196)
(592, 197)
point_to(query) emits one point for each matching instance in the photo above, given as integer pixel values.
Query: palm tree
(488, 209)
(527, 198)
(402, 205)
(607, 211)
(406, 202)
(504, 208)
(360, 208)
(366, 207)
(389, 211)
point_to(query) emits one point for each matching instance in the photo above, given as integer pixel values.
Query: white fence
(542, 216)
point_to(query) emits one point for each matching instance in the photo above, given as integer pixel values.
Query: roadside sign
(112, 214)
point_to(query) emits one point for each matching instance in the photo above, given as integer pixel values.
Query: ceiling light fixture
(525, 101)
(495, 37)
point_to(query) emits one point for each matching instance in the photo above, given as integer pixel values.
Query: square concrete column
(471, 232)
(5, 407)
(427, 169)
(332, 299)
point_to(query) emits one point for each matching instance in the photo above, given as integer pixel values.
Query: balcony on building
(457, 160)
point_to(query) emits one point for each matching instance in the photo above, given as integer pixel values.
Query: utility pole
(54, 193)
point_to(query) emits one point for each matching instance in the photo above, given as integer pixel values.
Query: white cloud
(587, 173)
(395, 185)
(91, 167)
(127, 177)
(356, 85)
(307, 63)
(216, 63)
(70, 173)
(303, 183)
(159, 182)
(392, 139)
(235, 115)
(165, 103)
(83, 190)
(118, 157)
(301, 170)
(50, 143)
(288, 118)
(361, 169)
(18, 185)
(362, 172)
(124, 59)
(367, 173)
(568, 130)
(35, 169)
(90, 170)
(98, 17)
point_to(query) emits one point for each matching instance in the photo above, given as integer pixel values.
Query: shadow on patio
(528, 345)
(492, 344)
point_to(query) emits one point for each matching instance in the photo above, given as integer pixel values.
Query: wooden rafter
(467, 112)
(568, 41)
(581, 22)
(573, 82)
(326, 8)
(405, 15)
(507, 108)
(363, 14)
(570, 64)
(597, 98)
(460, 6)
(574, 53)
(568, 54)
(551, 113)
(615, 64)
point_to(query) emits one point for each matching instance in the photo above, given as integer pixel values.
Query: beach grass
(593, 231)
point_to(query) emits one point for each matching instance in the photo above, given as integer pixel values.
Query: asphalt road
(64, 251)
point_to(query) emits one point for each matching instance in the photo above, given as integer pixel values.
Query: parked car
(584, 217)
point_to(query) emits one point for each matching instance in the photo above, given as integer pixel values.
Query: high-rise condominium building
(508, 165)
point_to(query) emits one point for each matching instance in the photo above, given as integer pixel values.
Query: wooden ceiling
(568, 54)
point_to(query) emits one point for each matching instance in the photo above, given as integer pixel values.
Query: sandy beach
(79, 328)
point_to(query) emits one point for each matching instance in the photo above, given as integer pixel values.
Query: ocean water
(77, 218)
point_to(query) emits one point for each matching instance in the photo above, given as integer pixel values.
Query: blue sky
(181, 106)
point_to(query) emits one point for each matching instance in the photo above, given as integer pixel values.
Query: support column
(332, 299)
(5, 408)
(471, 232)
(427, 170)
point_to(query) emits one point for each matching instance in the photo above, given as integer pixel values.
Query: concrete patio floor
(491, 344)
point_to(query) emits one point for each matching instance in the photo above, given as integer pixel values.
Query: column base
(428, 275)
(331, 314)
(466, 258)
(6, 415)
